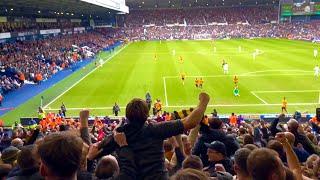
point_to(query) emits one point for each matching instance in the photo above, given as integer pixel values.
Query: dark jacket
(210, 135)
(304, 140)
(146, 142)
(26, 174)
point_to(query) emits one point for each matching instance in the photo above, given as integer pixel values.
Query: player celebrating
(284, 105)
(315, 53)
(183, 76)
(201, 82)
(235, 80)
(316, 71)
(236, 91)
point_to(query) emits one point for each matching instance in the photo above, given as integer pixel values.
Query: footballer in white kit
(226, 68)
(316, 71)
(315, 53)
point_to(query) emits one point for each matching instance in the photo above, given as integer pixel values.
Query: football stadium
(90, 89)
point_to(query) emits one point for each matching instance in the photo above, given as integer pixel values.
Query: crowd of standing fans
(213, 23)
(179, 145)
(37, 60)
(188, 145)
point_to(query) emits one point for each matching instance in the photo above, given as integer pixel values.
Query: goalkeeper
(236, 91)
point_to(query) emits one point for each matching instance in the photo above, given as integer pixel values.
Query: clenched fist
(204, 98)
(84, 117)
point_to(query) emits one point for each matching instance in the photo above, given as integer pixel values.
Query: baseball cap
(217, 146)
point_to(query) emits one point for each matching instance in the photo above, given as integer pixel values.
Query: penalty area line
(165, 91)
(259, 98)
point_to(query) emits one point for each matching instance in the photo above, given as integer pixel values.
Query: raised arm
(293, 162)
(84, 131)
(196, 115)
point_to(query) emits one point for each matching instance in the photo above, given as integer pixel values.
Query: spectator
(193, 162)
(213, 132)
(28, 164)
(189, 173)
(240, 164)
(60, 156)
(107, 168)
(300, 137)
(146, 141)
(217, 155)
(17, 142)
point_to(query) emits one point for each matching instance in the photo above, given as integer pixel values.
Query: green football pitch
(282, 68)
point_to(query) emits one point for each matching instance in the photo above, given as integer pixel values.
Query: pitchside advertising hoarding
(300, 7)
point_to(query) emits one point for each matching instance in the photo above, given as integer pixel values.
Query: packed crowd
(184, 145)
(214, 23)
(28, 25)
(38, 60)
(298, 30)
(201, 16)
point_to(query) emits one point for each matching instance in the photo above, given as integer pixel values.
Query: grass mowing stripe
(84, 77)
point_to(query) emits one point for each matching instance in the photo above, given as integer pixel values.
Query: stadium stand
(175, 145)
(35, 61)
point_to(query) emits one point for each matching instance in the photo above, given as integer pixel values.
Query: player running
(315, 53)
(201, 82)
(183, 77)
(236, 91)
(155, 57)
(235, 80)
(284, 105)
(316, 71)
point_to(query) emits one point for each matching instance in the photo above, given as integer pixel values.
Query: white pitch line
(259, 98)
(188, 106)
(84, 77)
(279, 70)
(284, 91)
(249, 75)
(165, 90)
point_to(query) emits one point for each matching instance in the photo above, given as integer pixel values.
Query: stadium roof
(141, 4)
(52, 8)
